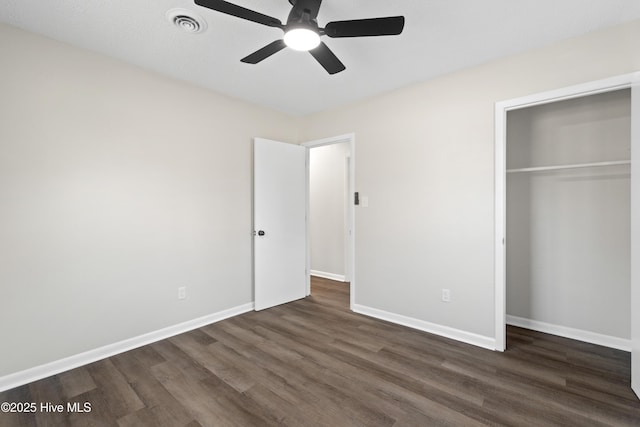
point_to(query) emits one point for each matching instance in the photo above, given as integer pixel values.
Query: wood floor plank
(179, 359)
(284, 411)
(188, 388)
(118, 394)
(315, 363)
(76, 381)
(160, 407)
(428, 374)
(201, 354)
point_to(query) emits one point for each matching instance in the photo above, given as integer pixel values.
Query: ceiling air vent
(187, 21)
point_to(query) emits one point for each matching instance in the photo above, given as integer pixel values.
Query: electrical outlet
(182, 292)
(446, 295)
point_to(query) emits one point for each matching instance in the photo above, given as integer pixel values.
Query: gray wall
(328, 179)
(568, 231)
(116, 186)
(425, 158)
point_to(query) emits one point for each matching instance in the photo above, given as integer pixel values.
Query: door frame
(350, 139)
(625, 81)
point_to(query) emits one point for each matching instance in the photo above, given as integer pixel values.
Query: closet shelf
(574, 166)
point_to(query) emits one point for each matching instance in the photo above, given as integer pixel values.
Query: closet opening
(568, 222)
(567, 214)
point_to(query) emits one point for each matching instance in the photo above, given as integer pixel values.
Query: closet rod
(575, 166)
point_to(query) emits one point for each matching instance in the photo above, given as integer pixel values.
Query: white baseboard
(43, 371)
(444, 331)
(330, 276)
(566, 332)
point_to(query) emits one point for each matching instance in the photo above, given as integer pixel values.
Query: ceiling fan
(301, 32)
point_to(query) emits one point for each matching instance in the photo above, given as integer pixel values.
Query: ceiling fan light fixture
(302, 39)
(301, 31)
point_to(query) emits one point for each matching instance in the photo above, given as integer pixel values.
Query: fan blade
(390, 26)
(265, 52)
(239, 12)
(327, 59)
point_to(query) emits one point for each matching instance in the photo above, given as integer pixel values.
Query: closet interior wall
(568, 229)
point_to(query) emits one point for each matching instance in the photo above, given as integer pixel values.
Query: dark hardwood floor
(314, 363)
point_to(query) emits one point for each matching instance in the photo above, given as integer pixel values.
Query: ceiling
(440, 36)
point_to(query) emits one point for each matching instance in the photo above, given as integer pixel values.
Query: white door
(279, 219)
(635, 235)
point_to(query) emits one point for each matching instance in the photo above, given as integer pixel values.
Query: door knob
(260, 233)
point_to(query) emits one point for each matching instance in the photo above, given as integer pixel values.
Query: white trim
(349, 138)
(307, 213)
(432, 328)
(330, 276)
(577, 91)
(52, 368)
(500, 176)
(500, 227)
(347, 223)
(352, 224)
(575, 334)
(635, 235)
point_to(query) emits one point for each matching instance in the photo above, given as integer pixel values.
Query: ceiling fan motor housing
(303, 14)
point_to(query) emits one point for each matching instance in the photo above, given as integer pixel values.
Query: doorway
(330, 210)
